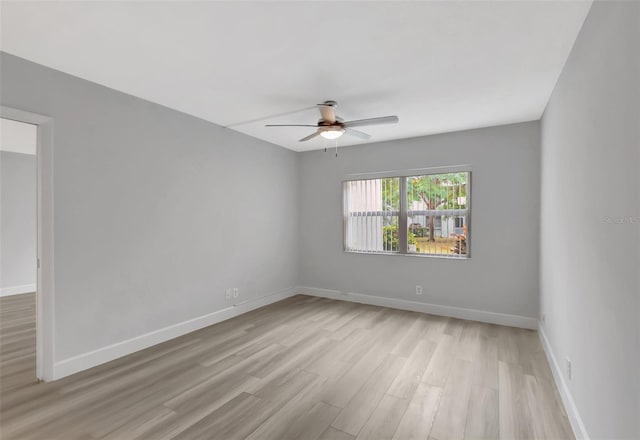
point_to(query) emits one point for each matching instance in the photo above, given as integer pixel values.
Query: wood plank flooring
(303, 368)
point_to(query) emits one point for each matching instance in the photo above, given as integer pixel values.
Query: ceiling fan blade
(328, 112)
(371, 121)
(357, 134)
(311, 136)
(290, 125)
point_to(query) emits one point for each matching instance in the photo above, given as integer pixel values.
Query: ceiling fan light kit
(330, 126)
(333, 132)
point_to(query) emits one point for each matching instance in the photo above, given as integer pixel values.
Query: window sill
(418, 255)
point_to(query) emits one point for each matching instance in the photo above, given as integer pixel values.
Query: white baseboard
(415, 306)
(15, 290)
(102, 355)
(579, 429)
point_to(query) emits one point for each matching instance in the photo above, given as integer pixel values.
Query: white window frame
(402, 218)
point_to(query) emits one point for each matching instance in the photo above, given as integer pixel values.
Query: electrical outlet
(568, 369)
(228, 294)
(418, 290)
(236, 292)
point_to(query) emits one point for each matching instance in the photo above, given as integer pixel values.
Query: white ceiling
(18, 137)
(439, 66)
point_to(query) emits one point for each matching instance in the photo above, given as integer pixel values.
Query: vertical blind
(372, 210)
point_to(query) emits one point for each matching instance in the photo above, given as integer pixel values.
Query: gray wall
(156, 212)
(591, 220)
(502, 274)
(17, 219)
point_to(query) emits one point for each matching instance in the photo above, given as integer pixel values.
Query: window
(422, 214)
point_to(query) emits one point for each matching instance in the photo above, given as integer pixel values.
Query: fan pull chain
(336, 147)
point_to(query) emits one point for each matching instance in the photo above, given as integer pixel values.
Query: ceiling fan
(331, 126)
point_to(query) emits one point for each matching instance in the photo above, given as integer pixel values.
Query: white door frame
(45, 297)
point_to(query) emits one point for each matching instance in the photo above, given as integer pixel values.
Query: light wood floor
(304, 368)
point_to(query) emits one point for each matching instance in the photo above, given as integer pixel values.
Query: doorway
(18, 252)
(26, 249)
